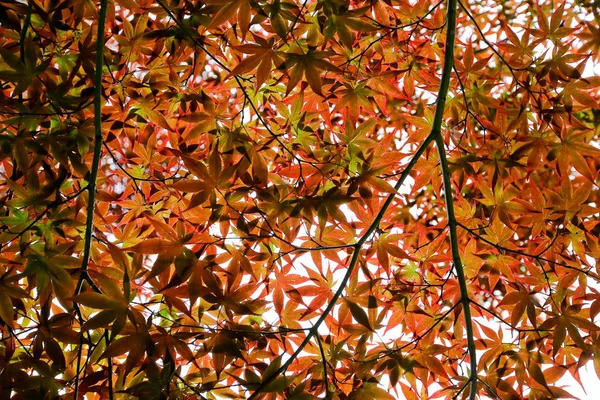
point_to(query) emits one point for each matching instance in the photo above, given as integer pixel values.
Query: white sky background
(590, 381)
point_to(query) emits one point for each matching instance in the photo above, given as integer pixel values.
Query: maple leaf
(308, 65)
(262, 58)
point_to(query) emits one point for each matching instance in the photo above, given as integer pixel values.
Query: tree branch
(351, 266)
(89, 223)
(446, 175)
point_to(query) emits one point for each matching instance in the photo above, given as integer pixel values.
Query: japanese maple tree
(281, 199)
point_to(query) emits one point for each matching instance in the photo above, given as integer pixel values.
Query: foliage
(298, 199)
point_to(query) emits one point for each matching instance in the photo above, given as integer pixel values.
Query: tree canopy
(298, 199)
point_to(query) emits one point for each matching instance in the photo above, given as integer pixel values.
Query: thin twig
(525, 254)
(111, 395)
(324, 360)
(190, 387)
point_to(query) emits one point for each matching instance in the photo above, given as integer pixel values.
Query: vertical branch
(452, 223)
(458, 267)
(89, 223)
